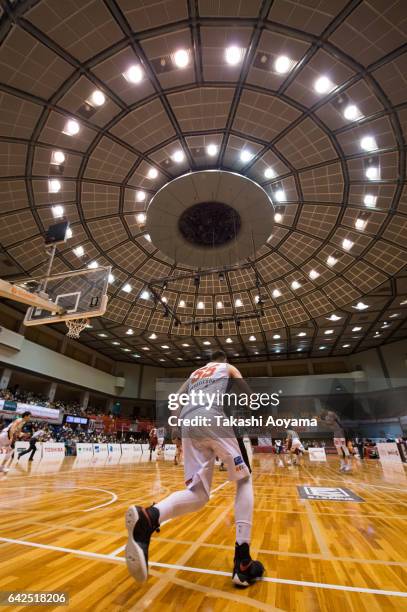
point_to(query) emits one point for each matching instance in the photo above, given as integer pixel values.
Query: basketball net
(75, 327)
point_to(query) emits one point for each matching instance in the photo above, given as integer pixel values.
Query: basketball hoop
(75, 327)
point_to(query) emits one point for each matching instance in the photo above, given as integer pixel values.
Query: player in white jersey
(294, 446)
(9, 435)
(200, 447)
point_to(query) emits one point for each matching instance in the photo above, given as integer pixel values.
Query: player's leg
(245, 569)
(142, 522)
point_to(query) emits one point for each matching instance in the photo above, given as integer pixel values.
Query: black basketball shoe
(245, 570)
(141, 524)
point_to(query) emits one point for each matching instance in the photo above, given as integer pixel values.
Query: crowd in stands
(37, 399)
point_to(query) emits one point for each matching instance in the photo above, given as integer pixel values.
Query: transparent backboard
(81, 294)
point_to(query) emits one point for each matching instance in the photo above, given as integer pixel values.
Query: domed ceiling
(306, 98)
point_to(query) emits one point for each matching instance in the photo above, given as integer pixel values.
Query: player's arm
(16, 428)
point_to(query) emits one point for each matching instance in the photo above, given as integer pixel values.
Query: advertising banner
(20, 446)
(53, 451)
(317, 454)
(49, 414)
(100, 450)
(169, 451)
(388, 451)
(84, 450)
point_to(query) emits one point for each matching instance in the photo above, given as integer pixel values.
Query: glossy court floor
(62, 529)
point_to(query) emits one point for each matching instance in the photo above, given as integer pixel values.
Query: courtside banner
(53, 451)
(100, 450)
(20, 446)
(317, 454)
(41, 412)
(145, 448)
(169, 451)
(84, 450)
(137, 451)
(114, 449)
(127, 452)
(388, 451)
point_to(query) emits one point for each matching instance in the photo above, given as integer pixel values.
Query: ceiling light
(127, 288)
(282, 64)
(334, 317)
(233, 55)
(372, 173)
(186, 345)
(206, 342)
(322, 348)
(141, 218)
(152, 173)
(54, 185)
(276, 293)
(269, 173)
(368, 143)
(345, 345)
(57, 211)
(301, 334)
(111, 278)
(181, 304)
(161, 360)
(276, 337)
(71, 127)
(126, 350)
(352, 112)
(178, 156)
(331, 261)
(212, 150)
(200, 305)
(93, 265)
(57, 157)
(252, 339)
(278, 217)
(313, 274)
(403, 303)
(140, 196)
(181, 58)
(392, 316)
(135, 355)
(164, 299)
(360, 224)
(347, 244)
(102, 335)
(153, 336)
(246, 155)
(145, 295)
(238, 303)
(129, 332)
(295, 285)
(69, 233)
(356, 329)
(280, 195)
(133, 74)
(79, 251)
(323, 85)
(219, 304)
(147, 237)
(299, 349)
(98, 98)
(370, 200)
(328, 332)
(229, 340)
(165, 346)
(145, 348)
(361, 306)
(116, 343)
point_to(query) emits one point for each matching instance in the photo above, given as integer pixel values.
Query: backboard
(81, 294)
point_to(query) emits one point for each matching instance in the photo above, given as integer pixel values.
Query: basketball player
(294, 446)
(153, 439)
(200, 446)
(35, 437)
(9, 435)
(331, 418)
(176, 439)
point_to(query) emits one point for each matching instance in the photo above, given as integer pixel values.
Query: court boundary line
(197, 570)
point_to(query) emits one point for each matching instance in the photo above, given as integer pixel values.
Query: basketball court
(66, 534)
(201, 195)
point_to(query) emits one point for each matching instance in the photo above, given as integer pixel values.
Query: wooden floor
(62, 529)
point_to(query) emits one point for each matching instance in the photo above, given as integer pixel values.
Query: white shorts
(199, 459)
(340, 445)
(296, 443)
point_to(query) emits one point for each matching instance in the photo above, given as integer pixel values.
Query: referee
(33, 445)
